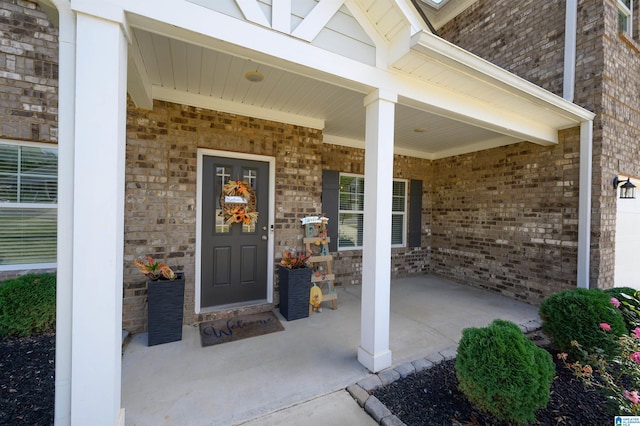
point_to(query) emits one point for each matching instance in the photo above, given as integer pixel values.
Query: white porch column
(99, 166)
(584, 203)
(374, 351)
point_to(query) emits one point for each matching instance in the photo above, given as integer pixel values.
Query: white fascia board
(198, 25)
(207, 102)
(437, 48)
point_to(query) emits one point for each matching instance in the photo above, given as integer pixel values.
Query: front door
(234, 241)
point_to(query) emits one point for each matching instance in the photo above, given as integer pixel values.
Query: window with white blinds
(28, 205)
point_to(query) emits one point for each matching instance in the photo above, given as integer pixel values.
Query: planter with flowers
(294, 276)
(165, 301)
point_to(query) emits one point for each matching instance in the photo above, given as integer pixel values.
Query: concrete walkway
(299, 374)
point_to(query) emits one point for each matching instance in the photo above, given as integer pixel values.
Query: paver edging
(376, 409)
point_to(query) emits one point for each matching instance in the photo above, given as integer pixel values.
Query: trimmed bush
(503, 373)
(28, 305)
(629, 305)
(577, 315)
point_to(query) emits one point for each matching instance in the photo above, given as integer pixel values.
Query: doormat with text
(240, 327)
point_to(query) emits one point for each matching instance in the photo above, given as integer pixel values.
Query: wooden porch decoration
(316, 236)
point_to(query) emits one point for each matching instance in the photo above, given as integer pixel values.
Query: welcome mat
(240, 327)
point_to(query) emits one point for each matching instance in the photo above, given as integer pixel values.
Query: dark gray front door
(234, 256)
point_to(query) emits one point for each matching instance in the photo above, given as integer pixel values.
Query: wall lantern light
(627, 190)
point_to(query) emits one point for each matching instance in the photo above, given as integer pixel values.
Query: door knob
(264, 238)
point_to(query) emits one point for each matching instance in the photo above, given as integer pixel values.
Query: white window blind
(351, 212)
(28, 205)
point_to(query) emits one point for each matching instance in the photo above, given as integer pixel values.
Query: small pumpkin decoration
(315, 297)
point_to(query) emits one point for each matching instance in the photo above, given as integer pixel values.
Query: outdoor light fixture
(254, 76)
(627, 190)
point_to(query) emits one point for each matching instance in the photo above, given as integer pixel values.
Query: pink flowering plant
(626, 301)
(618, 377)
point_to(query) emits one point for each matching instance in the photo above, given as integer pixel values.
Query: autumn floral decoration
(154, 270)
(238, 203)
(295, 261)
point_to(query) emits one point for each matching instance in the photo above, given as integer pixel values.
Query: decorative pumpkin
(315, 298)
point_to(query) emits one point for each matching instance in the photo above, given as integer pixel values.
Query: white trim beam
(374, 351)
(202, 101)
(138, 84)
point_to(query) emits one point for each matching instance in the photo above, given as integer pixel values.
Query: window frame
(24, 205)
(403, 214)
(628, 14)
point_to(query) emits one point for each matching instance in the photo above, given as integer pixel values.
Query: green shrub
(28, 305)
(629, 305)
(576, 315)
(503, 373)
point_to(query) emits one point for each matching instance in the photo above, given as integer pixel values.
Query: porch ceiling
(180, 71)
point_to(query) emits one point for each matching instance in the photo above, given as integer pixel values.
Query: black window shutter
(415, 213)
(330, 201)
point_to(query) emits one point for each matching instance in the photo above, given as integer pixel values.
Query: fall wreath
(238, 202)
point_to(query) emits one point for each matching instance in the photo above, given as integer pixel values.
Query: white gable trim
(281, 16)
(316, 20)
(252, 12)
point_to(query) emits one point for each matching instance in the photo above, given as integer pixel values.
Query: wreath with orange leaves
(238, 212)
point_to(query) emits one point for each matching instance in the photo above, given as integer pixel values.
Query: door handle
(264, 238)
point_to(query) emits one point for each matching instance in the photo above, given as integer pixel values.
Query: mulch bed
(427, 398)
(432, 398)
(27, 368)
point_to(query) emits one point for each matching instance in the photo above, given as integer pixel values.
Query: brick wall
(528, 40)
(161, 180)
(506, 219)
(407, 261)
(28, 73)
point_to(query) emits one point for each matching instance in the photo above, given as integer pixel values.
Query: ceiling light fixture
(254, 76)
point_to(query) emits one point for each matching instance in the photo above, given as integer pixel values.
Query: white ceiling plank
(179, 63)
(162, 50)
(281, 16)
(207, 69)
(194, 68)
(252, 12)
(317, 19)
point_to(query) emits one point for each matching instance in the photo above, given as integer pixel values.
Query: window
(28, 205)
(351, 212)
(625, 16)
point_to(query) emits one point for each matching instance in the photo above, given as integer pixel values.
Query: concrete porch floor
(299, 374)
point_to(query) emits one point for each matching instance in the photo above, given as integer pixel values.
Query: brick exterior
(28, 73)
(28, 79)
(504, 219)
(528, 40)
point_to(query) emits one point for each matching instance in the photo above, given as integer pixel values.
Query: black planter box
(165, 301)
(295, 285)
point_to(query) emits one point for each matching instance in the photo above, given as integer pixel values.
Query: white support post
(374, 351)
(64, 282)
(584, 203)
(98, 212)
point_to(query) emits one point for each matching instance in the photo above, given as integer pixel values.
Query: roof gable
(374, 32)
